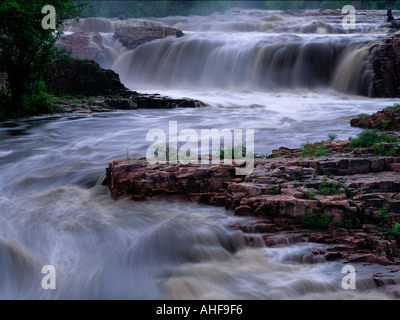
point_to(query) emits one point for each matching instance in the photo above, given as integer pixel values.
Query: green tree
(26, 48)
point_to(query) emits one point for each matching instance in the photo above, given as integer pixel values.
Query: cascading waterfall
(292, 79)
(252, 62)
(262, 51)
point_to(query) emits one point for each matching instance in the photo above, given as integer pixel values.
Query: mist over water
(292, 79)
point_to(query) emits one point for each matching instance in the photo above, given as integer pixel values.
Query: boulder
(132, 37)
(368, 258)
(85, 45)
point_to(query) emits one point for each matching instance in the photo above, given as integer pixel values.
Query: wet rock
(243, 211)
(386, 66)
(85, 45)
(121, 103)
(332, 256)
(314, 13)
(132, 37)
(282, 240)
(369, 258)
(277, 213)
(83, 78)
(387, 119)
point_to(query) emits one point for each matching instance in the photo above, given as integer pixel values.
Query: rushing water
(292, 79)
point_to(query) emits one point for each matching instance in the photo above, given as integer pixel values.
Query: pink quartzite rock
(84, 45)
(131, 37)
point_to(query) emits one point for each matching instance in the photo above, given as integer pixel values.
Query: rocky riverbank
(82, 86)
(387, 119)
(346, 198)
(110, 103)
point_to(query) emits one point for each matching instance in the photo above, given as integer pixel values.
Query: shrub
(382, 124)
(395, 231)
(315, 221)
(376, 139)
(362, 116)
(261, 155)
(369, 138)
(276, 154)
(381, 218)
(332, 136)
(274, 190)
(222, 152)
(317, 149)
(349, 223)
(309, 195)
(325, 189)
(395, 107)
(40, 103)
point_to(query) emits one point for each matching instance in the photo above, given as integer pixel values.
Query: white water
(53, 213)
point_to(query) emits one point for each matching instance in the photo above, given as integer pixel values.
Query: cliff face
(386, 65)
(83, 77)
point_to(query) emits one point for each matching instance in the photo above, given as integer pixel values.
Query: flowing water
(292, 79)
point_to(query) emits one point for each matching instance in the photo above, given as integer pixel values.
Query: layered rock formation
(387, 119)
(125, 101)
(83, 77)
(386, 66)
(101, 90)
(281, 192)
(85, 45)
(394, 23)
(131, 37)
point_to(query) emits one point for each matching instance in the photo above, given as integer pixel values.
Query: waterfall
(263, 51)
(251, 62)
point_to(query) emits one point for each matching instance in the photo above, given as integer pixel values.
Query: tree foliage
(26, 48)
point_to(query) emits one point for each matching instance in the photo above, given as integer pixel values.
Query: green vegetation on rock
(26, 51)
(317, 149)
(383, 144)
(315, 221)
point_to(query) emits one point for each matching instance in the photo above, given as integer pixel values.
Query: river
(291, 79)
